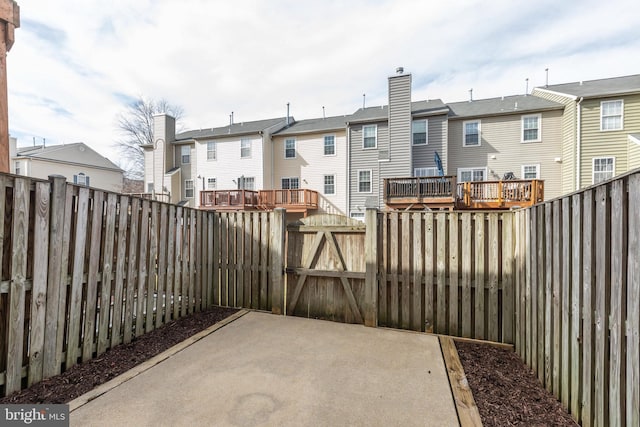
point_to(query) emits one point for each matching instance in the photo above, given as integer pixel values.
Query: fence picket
(454, 263)
(118, 286)
(466, 256)
(632, 402)
(132, 274)
(152, 277)
(107, 270)
(479, 330)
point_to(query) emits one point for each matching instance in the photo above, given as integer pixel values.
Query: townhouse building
(521, 134)
(600, 128)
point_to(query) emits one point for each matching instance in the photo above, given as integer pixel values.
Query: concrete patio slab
(268, 370)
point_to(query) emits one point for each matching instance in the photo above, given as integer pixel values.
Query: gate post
(371, 268)
(277, 247)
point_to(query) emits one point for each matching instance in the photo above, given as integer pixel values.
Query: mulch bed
(506, 391)
(83, 377)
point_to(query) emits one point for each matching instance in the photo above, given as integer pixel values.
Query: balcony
(444, 192)
(298, 200)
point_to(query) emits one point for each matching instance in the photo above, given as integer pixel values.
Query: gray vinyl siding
(569, 122)
(597, 143)
(399, 163)
(360, 159)
(501, 137)
(423, 155)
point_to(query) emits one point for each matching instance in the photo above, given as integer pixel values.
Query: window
(81, 179)
(471, 133)
(419, 132)
(188, 188)
(611, 115)
(246, 183)
(245, 148)
(212, 151)
(292, 183)
(603, 168)
(185, 154)
(370, 136)
(212, 183)
(18, 168)
(149, 187)
(364, 181)
(426, 172)
(531, 128)
(357, 215)
(290, 148)
(472, 174)
(329, 184)
(530, 171)
(329, 145)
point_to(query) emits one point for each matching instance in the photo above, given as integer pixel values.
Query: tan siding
(597, 143)
(634, 155)
(310, 165)
(98, 178)
(501, 136)
(568, 138)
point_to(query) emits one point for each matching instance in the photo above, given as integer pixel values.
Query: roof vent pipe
(546, 79)
(323, 116)
(231, 119)
(287, 122)
(364, 99)
(526, 88)
(399, 70)
(470, 94)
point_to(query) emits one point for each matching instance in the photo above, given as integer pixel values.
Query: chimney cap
(399, 70)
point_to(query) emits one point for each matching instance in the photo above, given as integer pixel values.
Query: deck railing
(290, 199)
(229, 199)
(443, 190)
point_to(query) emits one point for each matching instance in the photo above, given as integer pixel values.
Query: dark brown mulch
(506, 391)
(84, 377)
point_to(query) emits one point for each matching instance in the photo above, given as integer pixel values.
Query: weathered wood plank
(152, 277)
(576, 290)
(142, 268)
(479, 330)
(132, 271)
(371, 269)
(216, 258)
(89, 329)
(588, 296)
(540, 291)
(546, 377)
(171, 250)
(277, 246)
(405, 250)
(193, 238)
(247, 260)
(39, 288)
(118, 286)
(199, 264)
(108, 242)
(526, 291)
(231, 259)
(565, 366)
(454, 328)
(383, 256)
(617, 305)
(394, 269)
(602, 302)
(441, 269)
(508, 277)
(255, 261)
(494, 267)
(417, 323)
(5, 209)
(556, 298)
(532, 323)
(467, 257)
(19, 247)
(161, 303)
(75, 301)
(632, 402)
(185, 295)
(265, 248)
(177, 294)
(224, 259)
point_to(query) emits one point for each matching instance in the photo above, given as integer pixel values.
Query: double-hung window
(425, 172)
(471, 174)
(246, 183)
(18, 170)
(185, 154)
(603, 168)
(329, 145)
(471, 133)
(290, 148)
(419, 132)
(290, 183)
(188, 188)
(212, 183)
(611, 115)
(245, 148)
(531, 128)
(369, 136)
(530, 171)
(212, 151)
(329, 184)
(364, 181)
(81, 179)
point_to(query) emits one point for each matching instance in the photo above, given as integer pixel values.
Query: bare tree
(136, 126)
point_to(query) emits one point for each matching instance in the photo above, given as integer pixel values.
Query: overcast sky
(77, 63)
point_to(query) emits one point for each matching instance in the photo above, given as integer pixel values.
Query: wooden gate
(326, 268)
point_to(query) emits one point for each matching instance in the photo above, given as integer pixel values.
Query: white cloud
(252, 57)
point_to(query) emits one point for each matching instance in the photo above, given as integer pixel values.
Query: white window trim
(324, 185)
(593, 167)
(290, 178)
(250, 148)
(335, 151)
(216, 182)
(621, 115)
(460, 170)
(370, 181)
(426, 132)
(464, 128)
(375, 127)
(193, 189)
(295, 148)
(215, 151)
(539, 139)
(537, 166)
(434, 168)
(183, 155)
(357, 215)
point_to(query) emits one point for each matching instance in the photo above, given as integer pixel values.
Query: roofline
(506, 113)
(116, 169)
(226, 135)
(633, 138)
(553, 92)
(304, 132)
(602, 95)
(431, 112)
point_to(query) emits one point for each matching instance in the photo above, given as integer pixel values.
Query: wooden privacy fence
(578, 293)
(84, 270)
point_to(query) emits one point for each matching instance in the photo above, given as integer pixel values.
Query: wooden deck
(297, 200)
(444, 192)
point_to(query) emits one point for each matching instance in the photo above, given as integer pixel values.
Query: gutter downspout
(348, 139)
(579, 143)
